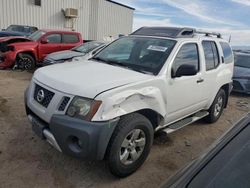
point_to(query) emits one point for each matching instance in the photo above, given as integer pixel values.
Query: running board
(184, 122)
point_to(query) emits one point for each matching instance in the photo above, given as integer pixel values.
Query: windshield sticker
(157, 48)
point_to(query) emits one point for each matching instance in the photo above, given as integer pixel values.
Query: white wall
(113, 20)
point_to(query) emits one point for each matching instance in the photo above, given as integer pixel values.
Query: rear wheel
(130, 144)
(217, 107)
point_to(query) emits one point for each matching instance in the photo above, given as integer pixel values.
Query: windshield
(87, 47)
(242, 60)
(138, 53)
(18, 28)
(36, 35)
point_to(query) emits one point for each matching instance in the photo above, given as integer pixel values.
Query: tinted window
(242, 60)
(211, 54)
(137, 53)
(70, 38)
(227, 52)
(230, 166)
(188, 54)
(54, 38)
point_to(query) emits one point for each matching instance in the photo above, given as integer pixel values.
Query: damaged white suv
(109, 107)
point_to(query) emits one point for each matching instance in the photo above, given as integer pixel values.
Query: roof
(57, 30)
(172, 32)
(121, 4)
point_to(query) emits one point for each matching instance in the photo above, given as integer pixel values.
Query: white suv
(110, 106)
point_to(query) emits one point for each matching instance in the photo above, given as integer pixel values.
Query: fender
(129, 101)
(29, 50)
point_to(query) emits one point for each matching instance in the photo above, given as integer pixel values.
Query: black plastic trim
(121, 4)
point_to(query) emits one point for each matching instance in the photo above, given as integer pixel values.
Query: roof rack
(172, 32)
(206, 33)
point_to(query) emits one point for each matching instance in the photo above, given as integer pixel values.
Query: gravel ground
(27, 161)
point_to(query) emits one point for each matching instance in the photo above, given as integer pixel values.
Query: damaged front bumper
(6, 61)
(78, 138)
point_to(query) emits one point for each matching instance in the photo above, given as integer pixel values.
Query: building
(96, 19)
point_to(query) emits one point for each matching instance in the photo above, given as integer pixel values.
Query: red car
(32, 50)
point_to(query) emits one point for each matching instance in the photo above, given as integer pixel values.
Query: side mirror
(185, 70)
(44, 41)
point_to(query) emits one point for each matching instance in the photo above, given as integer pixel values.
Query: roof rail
(172, 32)
(206, 33)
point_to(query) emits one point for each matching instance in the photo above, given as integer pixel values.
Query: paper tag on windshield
(157, 48)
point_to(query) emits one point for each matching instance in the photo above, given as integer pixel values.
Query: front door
(49, 44)
(184, 93)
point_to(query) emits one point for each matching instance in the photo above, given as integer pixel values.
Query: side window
(70, 38)
(54, 38)
(188, 54)
(211, 54)
(227, 52)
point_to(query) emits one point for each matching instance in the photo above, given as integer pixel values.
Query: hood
(5, 39)
(86, 78)
(12, 33)
(62, 55)
(241, 71)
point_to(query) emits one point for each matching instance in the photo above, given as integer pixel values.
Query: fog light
(75, 144)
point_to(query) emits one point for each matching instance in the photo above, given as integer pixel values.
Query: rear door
(69, 40)
(212, 68)
(48, 44)
(185, 93)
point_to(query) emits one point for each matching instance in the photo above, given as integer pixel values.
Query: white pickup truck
(110, 106)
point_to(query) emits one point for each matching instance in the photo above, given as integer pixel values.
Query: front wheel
(26, 62)
(217, 107)
(130, 144)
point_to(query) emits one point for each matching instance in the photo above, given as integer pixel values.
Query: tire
(26, 61)
(132, 132)
(217, 107)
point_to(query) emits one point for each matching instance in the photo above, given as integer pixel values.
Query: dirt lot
(27, 161)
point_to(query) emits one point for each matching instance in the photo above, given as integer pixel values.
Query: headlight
(83, 108)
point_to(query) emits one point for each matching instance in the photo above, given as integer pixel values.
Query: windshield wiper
(75, 50)
(126, 65)
(110, 62)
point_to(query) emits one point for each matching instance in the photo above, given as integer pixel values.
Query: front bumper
(75, 137)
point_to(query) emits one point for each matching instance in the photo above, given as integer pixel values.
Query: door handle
(200, 80)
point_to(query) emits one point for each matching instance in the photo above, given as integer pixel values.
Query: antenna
(229, 40)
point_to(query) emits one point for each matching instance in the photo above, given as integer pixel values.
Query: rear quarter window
(70, 38)
(227, 52)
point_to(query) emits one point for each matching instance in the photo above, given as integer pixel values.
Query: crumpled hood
(241, 71)
(62, 55)
(86, 78)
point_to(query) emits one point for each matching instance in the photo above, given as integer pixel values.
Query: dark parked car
(86, 50)
(241, 77)
(18, 30)
(226, 164)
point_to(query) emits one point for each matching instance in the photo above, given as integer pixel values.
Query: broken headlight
(83, 108)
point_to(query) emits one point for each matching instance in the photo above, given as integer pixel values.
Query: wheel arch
(26, 52)
(226, 88)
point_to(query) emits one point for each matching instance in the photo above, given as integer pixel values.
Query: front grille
(237, 86)
(63, 103)
(43, 96)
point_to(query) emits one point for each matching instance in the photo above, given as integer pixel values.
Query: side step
(184, 122)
